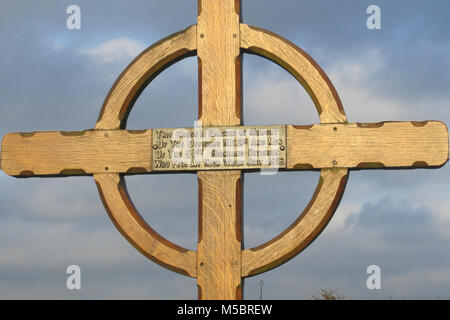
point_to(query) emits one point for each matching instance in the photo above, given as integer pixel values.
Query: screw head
(155, 147)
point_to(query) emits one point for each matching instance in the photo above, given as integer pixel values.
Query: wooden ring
(120, 101)
(113, 116)
(332, 182)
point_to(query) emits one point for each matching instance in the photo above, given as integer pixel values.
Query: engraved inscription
(219, 148)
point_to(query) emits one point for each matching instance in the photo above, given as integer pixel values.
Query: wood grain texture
(128, 221)
(300, 65)
(218, 51)
(140, 72)
(219, 105)
(113, 115)
(219, 248)
(334, 146)
(303, 231)
(76, 152)
(367, 145)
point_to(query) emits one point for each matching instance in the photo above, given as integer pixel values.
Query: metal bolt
(282, 148)
(334, 162)
(202, 35)
(155, 147)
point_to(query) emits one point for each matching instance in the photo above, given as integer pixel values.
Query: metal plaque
(219, 148)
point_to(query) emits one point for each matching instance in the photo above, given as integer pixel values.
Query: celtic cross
(109, 151)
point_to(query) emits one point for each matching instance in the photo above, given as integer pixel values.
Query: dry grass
(328, 294)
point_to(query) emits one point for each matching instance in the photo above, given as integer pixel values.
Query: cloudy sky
(52, 78)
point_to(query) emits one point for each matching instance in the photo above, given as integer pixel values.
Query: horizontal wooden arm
(356, 145)
(76, 152)
(367, 145)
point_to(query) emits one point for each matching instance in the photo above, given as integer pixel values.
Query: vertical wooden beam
(220, 96)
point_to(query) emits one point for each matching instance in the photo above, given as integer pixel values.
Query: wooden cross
(108, 152)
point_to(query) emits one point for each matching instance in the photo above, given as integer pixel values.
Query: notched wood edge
(370, 125)
(303, 126)
(72, 172)
(138, 131)
(137, 170)
(73, 133)
(370, 165)
(420, 164)
(419, 123)
(303, 166)
(26, 173)
(27, 134)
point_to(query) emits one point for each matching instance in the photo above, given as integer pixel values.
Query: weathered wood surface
(219, 247)
(367, 145)
(219, 59)
(76, 152)
(353, 145)
(333, 146)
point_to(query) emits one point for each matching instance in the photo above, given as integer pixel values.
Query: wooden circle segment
(140, 72)
(300, 65)
(303, 231)
(133, 227)
(120, 101)
(332, 181)
(113, 116)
